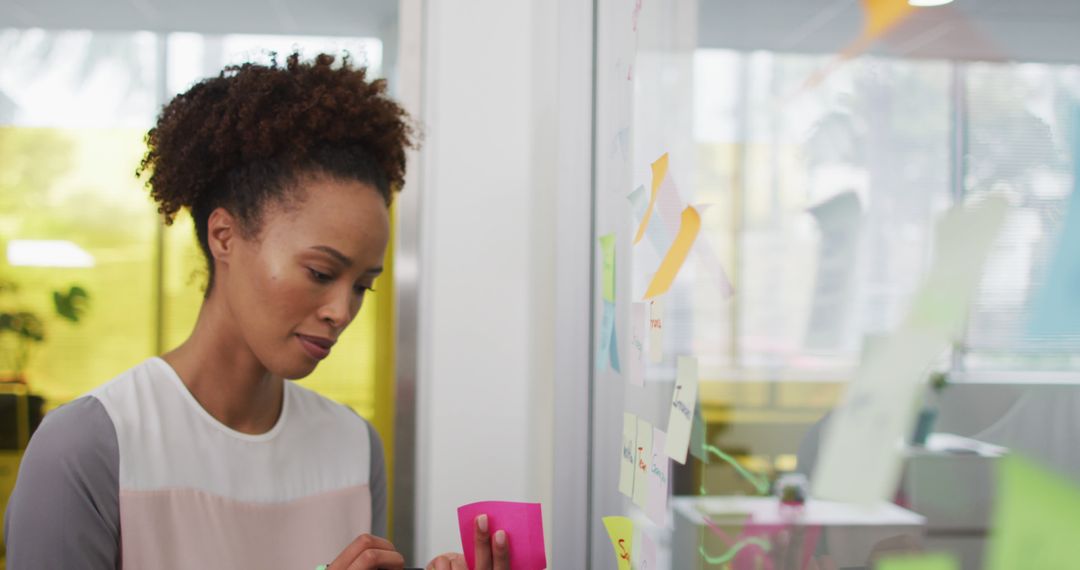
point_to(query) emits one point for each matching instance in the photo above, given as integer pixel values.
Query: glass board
(841, 225)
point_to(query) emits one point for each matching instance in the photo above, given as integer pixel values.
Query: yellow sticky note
(628, 457)
(659, 171)
(642, 463)
(936, 561)
(882, 16)
(683, 402)
(1035, 522)
(621, 532)
(676, 255)
(607, 253)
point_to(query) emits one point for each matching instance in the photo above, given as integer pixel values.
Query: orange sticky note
(621, 531)
(659, 171)
(676, 255)
(881, 17)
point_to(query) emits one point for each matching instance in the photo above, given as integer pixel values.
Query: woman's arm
(377, 483)
(65, 510)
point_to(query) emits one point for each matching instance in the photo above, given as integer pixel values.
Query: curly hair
(249, 135)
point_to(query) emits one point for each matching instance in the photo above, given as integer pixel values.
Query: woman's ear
(221, 234)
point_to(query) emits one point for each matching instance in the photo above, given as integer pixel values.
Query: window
(835, 191)
(75, 106)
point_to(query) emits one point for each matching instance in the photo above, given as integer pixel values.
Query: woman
(207, 457)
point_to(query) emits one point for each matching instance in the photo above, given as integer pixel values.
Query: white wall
(486, 269)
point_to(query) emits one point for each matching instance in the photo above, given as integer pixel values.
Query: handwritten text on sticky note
(643, 462)
(658, 479)
(683, 400)
(656, 330)
(621, 532)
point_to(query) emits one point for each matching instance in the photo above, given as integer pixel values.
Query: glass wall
(808, 172)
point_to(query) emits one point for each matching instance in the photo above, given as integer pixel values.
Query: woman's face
(294, 288)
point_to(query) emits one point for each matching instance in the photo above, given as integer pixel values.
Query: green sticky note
(1035, 518)
(607, 255)
(937, 561)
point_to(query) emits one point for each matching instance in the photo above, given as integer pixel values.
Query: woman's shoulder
(68, 478)
(78, 430)
(312, 404)
(320, 412)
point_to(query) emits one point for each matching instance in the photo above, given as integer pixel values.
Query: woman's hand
(448, 561)
(368, 552)
(491, 552)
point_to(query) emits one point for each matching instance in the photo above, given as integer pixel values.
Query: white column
(486, 269)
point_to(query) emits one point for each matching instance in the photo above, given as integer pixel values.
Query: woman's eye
(320, 276)
(361, 289)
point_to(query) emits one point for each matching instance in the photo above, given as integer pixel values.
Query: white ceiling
(1021, 30)
(356, 18)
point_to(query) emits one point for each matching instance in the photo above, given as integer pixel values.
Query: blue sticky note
(1055, 310)
(608, 353)
(656, 231)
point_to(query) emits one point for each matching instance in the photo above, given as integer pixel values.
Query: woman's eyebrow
(341, 257)
(344, 259)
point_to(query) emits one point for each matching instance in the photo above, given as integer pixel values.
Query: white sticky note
(646, 552)
(658, 479)
(860, 456)
(643, 463)
(962, 245)
(656, 330)
(681, 413)
(629, 454)
(638, 324)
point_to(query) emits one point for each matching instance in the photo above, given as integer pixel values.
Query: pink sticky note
(524, 528)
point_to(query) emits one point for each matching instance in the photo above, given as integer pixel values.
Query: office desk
(849, 533)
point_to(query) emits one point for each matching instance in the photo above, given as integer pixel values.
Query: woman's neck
(224, 375)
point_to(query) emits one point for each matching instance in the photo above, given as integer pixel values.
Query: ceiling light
(47, 253)
(928, 3)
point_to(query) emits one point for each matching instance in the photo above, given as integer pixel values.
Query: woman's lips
(317, 348)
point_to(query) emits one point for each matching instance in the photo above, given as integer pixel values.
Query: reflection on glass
(829, 138)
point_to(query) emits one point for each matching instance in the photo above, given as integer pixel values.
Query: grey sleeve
(377, 484)
(65, 509)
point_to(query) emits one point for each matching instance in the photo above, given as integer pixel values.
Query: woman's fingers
(368, 552)
(482, 544)
(373, 559)
(362, 543)
(492, 551)
(448, 561)
(502, 550)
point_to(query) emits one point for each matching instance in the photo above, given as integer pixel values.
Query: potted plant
(21, 329)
